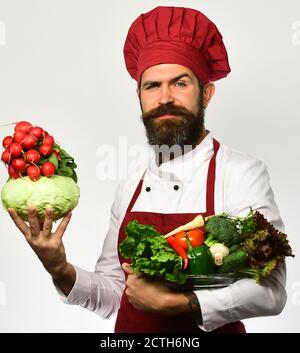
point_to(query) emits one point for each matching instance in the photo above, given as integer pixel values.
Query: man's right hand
(48, 246)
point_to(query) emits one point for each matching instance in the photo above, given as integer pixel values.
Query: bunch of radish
(29, 151)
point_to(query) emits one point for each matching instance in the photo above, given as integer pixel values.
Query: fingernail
(31, 208)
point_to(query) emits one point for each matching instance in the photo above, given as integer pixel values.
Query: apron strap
(210, 184)
(136, 193)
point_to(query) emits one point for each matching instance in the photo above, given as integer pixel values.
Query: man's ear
(208, 92)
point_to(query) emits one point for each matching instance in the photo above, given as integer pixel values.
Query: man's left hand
(152, 296)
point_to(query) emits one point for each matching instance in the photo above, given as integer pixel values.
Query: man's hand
(152, 296)
(48, 246)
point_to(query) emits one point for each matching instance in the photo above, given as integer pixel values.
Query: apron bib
(131, 320)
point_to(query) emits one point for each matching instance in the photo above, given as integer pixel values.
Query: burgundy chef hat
(176, 35)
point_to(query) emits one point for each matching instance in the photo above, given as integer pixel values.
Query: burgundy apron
(131, 320)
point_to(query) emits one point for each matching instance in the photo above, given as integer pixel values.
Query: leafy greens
(150, 253)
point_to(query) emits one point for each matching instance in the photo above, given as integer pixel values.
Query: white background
(61, 67)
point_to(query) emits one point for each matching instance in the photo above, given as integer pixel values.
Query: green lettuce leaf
(150, 253)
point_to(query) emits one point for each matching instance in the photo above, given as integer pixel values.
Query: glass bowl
(205, 281)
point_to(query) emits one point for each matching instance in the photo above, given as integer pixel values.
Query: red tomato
(196, 236)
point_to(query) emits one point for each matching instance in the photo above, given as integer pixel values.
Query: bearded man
(175, 54)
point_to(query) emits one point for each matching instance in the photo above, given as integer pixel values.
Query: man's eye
(180, 84)
(150, 86)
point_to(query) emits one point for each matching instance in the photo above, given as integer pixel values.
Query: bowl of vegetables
(230, 248)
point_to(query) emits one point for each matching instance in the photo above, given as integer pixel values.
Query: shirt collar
(183, 167)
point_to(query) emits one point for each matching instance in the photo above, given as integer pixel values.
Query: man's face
(172, 105)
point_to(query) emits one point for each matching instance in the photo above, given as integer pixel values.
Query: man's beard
(182, 130)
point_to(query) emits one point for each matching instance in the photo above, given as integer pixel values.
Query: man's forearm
(64, 278)
(185, 304)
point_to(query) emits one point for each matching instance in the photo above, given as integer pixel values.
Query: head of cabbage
(57, 192)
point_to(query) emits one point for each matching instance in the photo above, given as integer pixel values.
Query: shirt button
(148, 188)
(176, 187)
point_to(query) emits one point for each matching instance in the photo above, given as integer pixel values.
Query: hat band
(172, 52)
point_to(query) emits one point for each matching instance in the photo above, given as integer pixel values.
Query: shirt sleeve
(100, 291)
(247, 185)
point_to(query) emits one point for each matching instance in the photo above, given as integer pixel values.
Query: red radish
(29, 142)
(33, 172)
(7, 141)
(23, 126)
(45, 133)
(19, 136)
(19, 165)
(15, 150)
(5, 156)
(49, 140)
(48, 169)
(32, 156)
(45, 150)
(57, 154)
(12, 173)
(37, 132)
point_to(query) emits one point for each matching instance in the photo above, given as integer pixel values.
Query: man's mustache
(165, 109)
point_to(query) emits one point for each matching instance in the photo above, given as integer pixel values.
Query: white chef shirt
(242, 181)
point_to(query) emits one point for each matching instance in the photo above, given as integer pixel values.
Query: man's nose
(166, 95)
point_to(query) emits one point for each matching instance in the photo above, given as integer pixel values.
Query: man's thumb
(127, 268)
